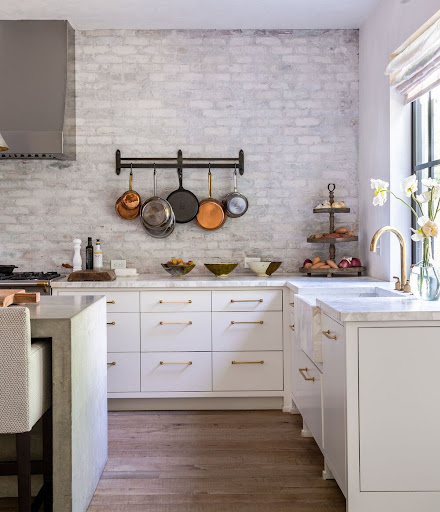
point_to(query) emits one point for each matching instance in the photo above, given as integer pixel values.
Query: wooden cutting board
(92, 275)
(8, 297)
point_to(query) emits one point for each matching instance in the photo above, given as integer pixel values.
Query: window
(426, 148)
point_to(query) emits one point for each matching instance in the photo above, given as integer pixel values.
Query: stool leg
(23, 444)
(47, 460)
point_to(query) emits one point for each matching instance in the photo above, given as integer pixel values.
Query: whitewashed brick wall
(289, 99)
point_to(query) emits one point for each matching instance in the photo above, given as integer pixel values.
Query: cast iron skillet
(184, 203)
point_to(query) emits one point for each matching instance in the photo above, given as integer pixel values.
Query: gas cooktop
(29, 276)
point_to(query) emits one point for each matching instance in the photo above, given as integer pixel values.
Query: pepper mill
(77, 261)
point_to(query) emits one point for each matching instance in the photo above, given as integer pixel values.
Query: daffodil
(409, 185)
(380, 191)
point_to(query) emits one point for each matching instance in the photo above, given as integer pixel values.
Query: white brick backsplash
(289, 99)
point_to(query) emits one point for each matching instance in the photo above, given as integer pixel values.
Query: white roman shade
(414, 67)
(3, 145)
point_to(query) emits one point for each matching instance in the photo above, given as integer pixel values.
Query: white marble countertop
(61, 308)
(294, 281)
(378, 309)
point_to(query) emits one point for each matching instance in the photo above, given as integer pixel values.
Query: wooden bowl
(177, 270)
(221, 269)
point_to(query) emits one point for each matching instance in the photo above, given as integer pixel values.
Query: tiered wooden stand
(332, 242)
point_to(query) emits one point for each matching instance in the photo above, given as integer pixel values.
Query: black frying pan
(183, 202)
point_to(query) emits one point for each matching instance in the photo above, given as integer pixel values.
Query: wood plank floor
(252, 461)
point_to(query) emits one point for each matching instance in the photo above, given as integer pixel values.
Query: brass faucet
(405, 287)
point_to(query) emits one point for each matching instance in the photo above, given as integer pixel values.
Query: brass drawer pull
(113, 363)
(250, 300)
(247, 362)
(175, 323)
(111, 302)
(187, 363)
(327, 335)
(292, 327)
(175, 301)
(302, 370)
(111, 323)
(292, 304)
(259, 322)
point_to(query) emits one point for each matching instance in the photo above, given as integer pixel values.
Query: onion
(344, 264)
(356, 262)
(307, 261)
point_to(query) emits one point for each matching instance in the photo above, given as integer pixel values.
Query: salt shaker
(77, 261)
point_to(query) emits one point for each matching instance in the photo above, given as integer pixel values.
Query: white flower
(427, 229)
(409, 185)
(429, 182)
(425, 197)
(380, 191)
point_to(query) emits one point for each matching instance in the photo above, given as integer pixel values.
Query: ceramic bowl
(221, 269)
(177, 270)
(264, 268)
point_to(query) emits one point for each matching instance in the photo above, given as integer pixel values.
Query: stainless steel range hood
(37, 89)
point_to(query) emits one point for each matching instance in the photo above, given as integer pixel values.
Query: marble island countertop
(293, 281)
(378, 309)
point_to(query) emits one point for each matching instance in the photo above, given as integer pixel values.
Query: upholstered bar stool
(25, 397)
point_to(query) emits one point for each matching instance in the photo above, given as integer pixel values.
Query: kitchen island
(77, 329)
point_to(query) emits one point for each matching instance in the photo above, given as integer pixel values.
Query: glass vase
(425, 275)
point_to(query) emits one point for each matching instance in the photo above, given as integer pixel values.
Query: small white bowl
(264, 268)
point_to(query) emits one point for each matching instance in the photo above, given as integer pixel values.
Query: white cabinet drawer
(175, 301)
(123, 372)
(176, 371)
(117, 302)
(247, 331)
(175, 332)
(247, 371)
(308, 392)
(123, 332)
(247, 300)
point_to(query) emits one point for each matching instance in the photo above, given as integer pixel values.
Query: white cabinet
(117, 301)
(123, 332)
(399, 409)
(175, 332)
(176, 371)
(123, 372)
(247, 300)
(175, 301)
(248, 371)
(334, 400)
(247, 331)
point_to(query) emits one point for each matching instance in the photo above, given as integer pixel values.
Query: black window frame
(416, 145)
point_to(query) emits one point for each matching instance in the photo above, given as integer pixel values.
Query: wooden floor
(212, 462)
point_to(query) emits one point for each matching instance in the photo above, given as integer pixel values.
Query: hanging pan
(128, 205)
(183, 202)
(156, 212)
(211, 212)
(235, 204)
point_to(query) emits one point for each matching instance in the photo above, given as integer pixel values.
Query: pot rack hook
(209, 169)
(131, 177)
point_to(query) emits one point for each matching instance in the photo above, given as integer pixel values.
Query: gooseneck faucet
(404, 286)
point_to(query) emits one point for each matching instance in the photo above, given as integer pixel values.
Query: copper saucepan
(211, 212)
(128, 205)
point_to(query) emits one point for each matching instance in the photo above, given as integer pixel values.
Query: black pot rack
(179, 162)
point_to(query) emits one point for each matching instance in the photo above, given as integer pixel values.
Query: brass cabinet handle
(175, 323)
(113, 363)
(111, 302)
(187, 363)
(247, 362)
(260, 322)
(175, 301)
(302, 370)
(292, 327)
(111, 323)
(292, 304)
(251, 300)
(327, 335)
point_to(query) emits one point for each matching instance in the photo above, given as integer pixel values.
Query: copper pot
(128, 205)
(211, 214)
